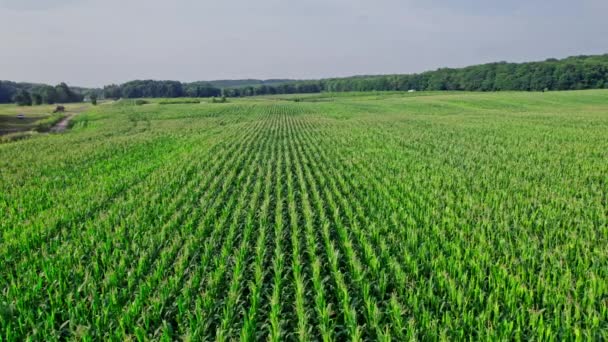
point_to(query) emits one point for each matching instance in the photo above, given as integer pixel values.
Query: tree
(7, 91)
(63, 93)
(22, 98)
(49, 94)
(200, 89)
(579, 72)
(36, 99)
(112, 92)
(67, 95)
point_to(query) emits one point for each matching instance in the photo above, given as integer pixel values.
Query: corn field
(430, 216)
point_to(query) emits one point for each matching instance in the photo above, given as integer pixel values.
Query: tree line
(247, 82)
(580, 72)
(573, 73)
(152, 88)
(27, 94)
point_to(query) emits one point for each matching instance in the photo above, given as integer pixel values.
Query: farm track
(64, 124)
(280, 225)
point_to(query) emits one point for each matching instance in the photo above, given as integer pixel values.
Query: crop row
(279, 221)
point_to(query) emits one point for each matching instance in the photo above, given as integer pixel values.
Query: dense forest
(151, 88)
(27, 94)
(248, 82)
(580, 72)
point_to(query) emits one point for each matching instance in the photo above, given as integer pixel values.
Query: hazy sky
(97, 42)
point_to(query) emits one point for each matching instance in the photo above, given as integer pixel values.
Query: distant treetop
(576, 72)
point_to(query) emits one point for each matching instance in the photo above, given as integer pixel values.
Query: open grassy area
(427, 216)
(9, 123)
(34, 116)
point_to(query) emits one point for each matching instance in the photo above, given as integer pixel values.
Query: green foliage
(15, 118)
(46, 124)
(48, 94)
(66, 95)
(220, 100)
(581, 72)
(22, 98)
(9, 89)
(369, 216)
(12, 137)
(39, 93)
(112, 91)
(201, 89)
(179, 101)
(247, 83)
(36, 99)
(166, 89)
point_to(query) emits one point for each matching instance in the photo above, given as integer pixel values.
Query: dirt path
(63, 125)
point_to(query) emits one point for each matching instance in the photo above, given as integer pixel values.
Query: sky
(97, 42)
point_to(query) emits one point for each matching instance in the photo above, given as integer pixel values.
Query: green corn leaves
(448, 216)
